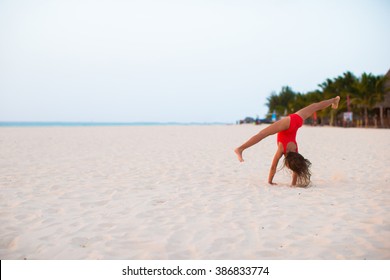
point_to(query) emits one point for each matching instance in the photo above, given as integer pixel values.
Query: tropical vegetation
(359, 95)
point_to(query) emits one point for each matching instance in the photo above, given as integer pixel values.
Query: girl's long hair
(301, 166)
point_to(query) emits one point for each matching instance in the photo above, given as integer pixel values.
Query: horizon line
(100, 123)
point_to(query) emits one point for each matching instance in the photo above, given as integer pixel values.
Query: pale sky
(178, 60)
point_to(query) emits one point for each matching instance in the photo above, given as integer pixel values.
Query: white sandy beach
(179, 192)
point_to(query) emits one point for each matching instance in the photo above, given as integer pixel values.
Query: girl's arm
(274, 165)
(294, 179)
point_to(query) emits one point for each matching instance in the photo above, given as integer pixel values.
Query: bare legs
(284, 124)
(280, 125)
(309, 110)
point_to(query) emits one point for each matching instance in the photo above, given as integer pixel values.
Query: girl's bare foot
(238, 152)
(335, 103)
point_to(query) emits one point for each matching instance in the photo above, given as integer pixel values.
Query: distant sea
(46, 124)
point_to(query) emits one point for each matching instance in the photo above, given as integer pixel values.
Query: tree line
(359, 95)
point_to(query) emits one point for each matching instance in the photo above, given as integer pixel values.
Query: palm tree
(312, 97)
(343, 86)
(384, 86)
(274, 104)
(369, 93)
(365, 92)
(287, 99)
(282, 101)
(329, 89)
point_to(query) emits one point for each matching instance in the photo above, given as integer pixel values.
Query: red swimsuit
(290, 134)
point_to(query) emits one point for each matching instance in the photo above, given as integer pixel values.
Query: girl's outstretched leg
(280, 125)
(238, 152)
(309, 110)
